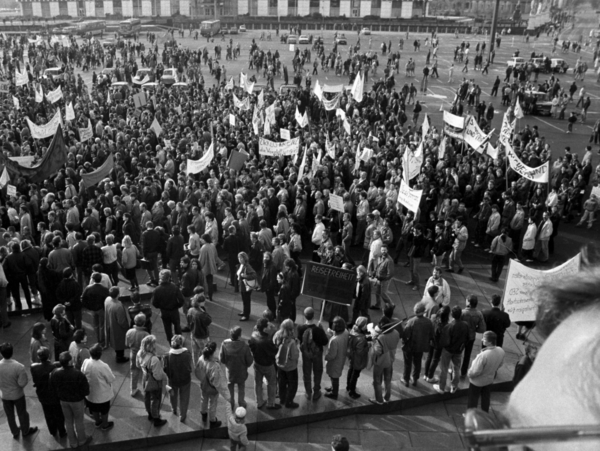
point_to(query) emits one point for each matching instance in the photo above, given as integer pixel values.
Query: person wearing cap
(482, 372)
(236, 428)
(69, 292)
(168, 298)
(418, 333)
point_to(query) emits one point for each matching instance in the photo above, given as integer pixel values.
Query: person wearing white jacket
(444, 293)
(529, 241)
(100, 377)
(483, 372)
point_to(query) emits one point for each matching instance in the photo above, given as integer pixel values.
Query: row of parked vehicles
(545, 65)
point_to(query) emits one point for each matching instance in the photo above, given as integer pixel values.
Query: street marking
(548, 123)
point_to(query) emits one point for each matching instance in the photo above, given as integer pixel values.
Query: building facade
(386, 9)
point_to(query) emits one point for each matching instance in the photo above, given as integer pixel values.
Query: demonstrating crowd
(66, 244)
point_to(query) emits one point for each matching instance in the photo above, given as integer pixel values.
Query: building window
(335, 4)
(272, 3)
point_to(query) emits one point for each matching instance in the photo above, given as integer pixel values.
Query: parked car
(292, 39)
(366, 31)
(303, 39)
(341, 40)
(537, 103)
(243, 28)
(559, 65)
(53, 72)
(233, 30)
(169, 77)
(141, 75)
(516, 61)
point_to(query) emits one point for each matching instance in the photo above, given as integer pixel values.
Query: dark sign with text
(329, 283)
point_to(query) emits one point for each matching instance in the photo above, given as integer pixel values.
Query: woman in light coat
(100, 378)
(529, 241)
(116, 323)
(336, 355)
(208, 372)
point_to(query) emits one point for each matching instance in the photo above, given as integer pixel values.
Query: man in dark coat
(496, 320)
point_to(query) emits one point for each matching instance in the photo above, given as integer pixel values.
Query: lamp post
(493, 30)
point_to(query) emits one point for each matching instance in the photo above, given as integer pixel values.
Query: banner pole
(322, 311)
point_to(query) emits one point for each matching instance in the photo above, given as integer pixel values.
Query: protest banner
(523, 284)
(86, 133)
(39, 95)
(16, 103)
(94, 177)
(237, 159)
(412, 162)
(336, 202)
(54, 96)
(69, 112)
(473, 135)
(195, 166)
(21, 78)
(329, 283)
(232, 120)
(453, 125)
(505, 131)
(410, 198)
(46, 130)
(285, 134)
(4, 86)
(26, 161)
(357, 88)
(318, 91)
(491, 151)
(156, 127)
(4, 178)
(425, 126)
(539, 174)
(139, 100)
(274, 149)
(11, 190)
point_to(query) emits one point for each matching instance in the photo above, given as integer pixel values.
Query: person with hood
(178, 364)
(208, 372)
(153, 377)
(336, 355)
(385, 342)
(358, 354)
(168, 298)
(48, 281)
(236, 356)
(69, 292)
(312, 340)
(116, 323)
(264, 352)
(287, 362)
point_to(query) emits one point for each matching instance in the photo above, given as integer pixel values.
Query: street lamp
(493, 30)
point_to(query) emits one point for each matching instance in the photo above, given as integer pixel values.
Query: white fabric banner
(518, 110)
(473, 135)
(261, 99)
(4, 178)
(274, 149)
(347, 126)
(332, 104)
(539, 174)
(229, 84)
(333, 88)
(302, 165)
(318, 91)
(442, 149)
(46, 130)
(232, 120)
(86, 133)
(523, 282)
(70, 112)
(425, 127)
(409, 197)
(505, 131)
(284, 133)
(453, 120)
(358, 88)
(54, 96)
(156, 127)
(16, 103)
(195, 166)
(241, 104)
(413, 161)
(491, 151)
(39, 95)
(21, 78)
(302, 119)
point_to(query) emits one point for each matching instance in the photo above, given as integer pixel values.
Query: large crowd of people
(66, 245)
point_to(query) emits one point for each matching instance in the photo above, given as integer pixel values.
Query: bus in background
(210, 27)
(91, 28)
(130, 27)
